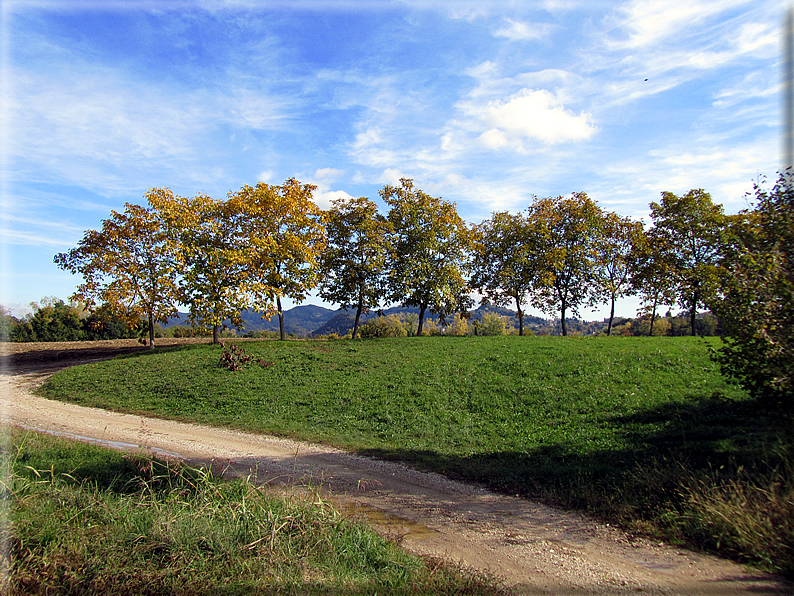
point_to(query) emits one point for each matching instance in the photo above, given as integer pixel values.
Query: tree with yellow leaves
(129, 265)
(355, 259)
(211, 247)
(285, 241)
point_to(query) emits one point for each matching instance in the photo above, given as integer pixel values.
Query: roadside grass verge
(641, 431)
(88, 520)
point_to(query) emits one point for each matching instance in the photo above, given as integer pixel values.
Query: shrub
(491, 324)
(388, 326)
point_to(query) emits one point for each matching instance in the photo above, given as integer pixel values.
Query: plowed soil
(532, 548)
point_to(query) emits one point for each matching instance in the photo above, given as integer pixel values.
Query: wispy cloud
(522, 30)
(642, 23)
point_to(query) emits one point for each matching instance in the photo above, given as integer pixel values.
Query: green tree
(212, 251)
(567, 235)
(285, 240)
(507, 261)
(756, 304)
(104, 323)
(617, 258)
(128, 265)
(430, 243)
(8, 324)
(355, 258)
(689, 232)
(651, 279)
(53, 320)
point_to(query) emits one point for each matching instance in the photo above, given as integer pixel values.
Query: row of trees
(267, 242)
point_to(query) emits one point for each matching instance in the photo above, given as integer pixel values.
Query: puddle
(385, 522)
(119, 445)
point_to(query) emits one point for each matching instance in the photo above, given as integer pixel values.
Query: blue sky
(484, 103)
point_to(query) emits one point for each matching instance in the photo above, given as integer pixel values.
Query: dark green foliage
(105, 324)
(53, 322)
(757, 305)
(8, 325)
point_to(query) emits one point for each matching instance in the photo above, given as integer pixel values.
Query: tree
(212, 253)
(756, 303)
(567, 236)
(429, 250)
(617, 258)
(651, 278)
(285, 240)
(689, 230)
(8, 324)
(52, 320)
(355, 258)
(128, 265)
(507, 259)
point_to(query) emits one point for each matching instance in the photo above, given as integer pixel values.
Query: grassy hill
(640, 431)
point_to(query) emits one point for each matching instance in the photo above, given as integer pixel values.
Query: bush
(491, 324)
(388, 326)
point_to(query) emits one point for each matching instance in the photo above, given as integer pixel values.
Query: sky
(484, 103)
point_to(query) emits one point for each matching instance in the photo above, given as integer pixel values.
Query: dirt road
(533, 548)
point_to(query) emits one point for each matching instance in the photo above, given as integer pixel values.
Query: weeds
(161, 528)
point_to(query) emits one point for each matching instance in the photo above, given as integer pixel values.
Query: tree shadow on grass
(663, 450)
(704, 434)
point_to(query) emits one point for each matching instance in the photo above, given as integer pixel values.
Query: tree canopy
(355, 258)
(756, 301)
(430, 243)
(129, 265)
(688, 230)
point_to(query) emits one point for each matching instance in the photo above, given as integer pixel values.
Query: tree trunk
(611, 316)
(653, 313)
(562, 319)
(216, 333)
(151, 331)
(693, 313)
(358, 316)
(280, 318)
(520, 317)
(422, 309)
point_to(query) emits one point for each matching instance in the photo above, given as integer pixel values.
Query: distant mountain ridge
(300, 320)
(311, 320)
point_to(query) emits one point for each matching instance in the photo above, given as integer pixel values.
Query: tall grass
(85, 520)
(643, 431)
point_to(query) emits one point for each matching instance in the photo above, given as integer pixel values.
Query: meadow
(643, 432)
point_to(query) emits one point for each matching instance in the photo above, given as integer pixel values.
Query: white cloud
(327, 175)
(535, 115)
(265, 176)
(646, 22)
(519, 30)
(391, 176)
(324, 199)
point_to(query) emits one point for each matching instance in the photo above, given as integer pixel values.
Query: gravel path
(533, 548)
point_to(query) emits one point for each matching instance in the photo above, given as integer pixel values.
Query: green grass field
(643, 431)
